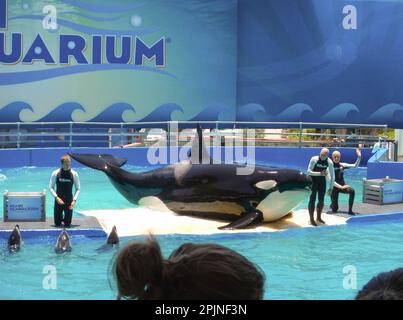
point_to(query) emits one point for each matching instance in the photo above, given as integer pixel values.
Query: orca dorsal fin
(198, 151)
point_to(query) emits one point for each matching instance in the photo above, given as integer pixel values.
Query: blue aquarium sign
(24, 206)
(74, 46)
(117, 61)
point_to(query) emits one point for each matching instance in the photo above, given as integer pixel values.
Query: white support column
(399, 138)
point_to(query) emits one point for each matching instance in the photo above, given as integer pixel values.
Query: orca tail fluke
(244, 221)
(98, 161)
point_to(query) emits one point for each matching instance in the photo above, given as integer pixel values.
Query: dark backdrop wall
(320, 60)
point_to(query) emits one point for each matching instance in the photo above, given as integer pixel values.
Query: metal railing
(112, 134)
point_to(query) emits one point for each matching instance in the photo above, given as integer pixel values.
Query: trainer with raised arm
(319, 168)
(64, 179)
(340, 185)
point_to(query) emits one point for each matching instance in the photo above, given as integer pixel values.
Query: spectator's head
(193, 271)
(324, 153)
(336, 156)
(384, 286)
(65, 161)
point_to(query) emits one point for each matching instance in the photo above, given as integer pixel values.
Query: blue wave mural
(296, 112)
(38, 75)
(11, 112)
(342, 113)
(256, 112)
(162, 113)
(104, 8)
(113, 113)
(251, 112)
(214, 113)
(62, 113)
(90, 30)
(391, 114)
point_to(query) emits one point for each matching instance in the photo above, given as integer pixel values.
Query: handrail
(344, 125)
(20, 132)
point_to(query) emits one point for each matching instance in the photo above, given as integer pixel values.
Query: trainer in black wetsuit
(340, 185)
(64, 179)
(320, 167)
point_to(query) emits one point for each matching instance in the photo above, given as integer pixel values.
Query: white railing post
(121, 134)
(300, 135)
(18, 135)
(71, 134)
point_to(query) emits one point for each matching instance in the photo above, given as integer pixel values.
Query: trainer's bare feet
(313, 223)
(321, 221)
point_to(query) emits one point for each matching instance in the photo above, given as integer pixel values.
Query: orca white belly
(278, 204)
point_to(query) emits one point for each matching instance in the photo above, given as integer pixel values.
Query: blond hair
(65, 158)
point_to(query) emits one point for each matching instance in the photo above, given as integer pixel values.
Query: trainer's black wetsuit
(64, 190)
(318, 184)
(339, 178)
(64, 181)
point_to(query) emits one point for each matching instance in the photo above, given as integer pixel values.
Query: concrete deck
(366, 208)
(141, 221)
(159, 220)
(86, 226)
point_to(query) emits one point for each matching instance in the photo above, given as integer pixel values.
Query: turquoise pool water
(299, 264)
(98, 193)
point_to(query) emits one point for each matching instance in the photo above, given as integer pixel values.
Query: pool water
(298, 264)
(97, 192)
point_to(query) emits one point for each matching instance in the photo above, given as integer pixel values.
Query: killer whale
(63, 243)
(198, 187)
(15, 239)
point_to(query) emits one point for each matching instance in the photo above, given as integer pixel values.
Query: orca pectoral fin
(244, 221)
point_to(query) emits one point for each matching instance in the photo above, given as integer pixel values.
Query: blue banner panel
(322, 61)
(3, 14)
(118, 61)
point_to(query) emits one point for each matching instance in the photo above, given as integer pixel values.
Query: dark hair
(193, 271)
(384, 286)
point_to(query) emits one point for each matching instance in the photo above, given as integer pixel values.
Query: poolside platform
(159, 221)
(366, 212)
(367, 209)
(141, 221)
(81, 226)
